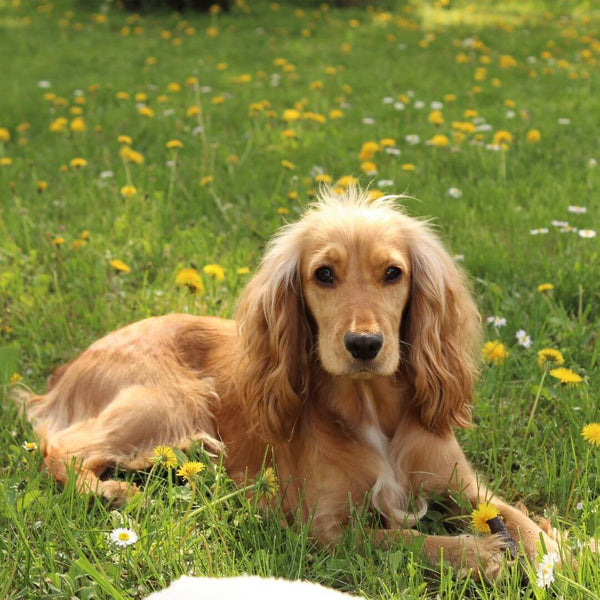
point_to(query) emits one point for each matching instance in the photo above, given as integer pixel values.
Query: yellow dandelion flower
(129, 155)
(387, 142)
(545, 287)
(174, 144)
(174, 87)
(374, 195)
(128, 191)
(41, 186)
(78, 163)
(78, 125)
(336, 113)
(283, 211)
(267, 485)
(549, 357)
(125, 139)
(214, 270)
(146, 111)
(290, 114)
(436, 117)
(58, 125)
(233, 159)
(533, 136)
(58, 241)
(15, 378)
(4, 134)
(502, 137)
(368, 167)
(439, 141)
(289, 134)
(190, 469)
(85, 235)
(122, 96)
(591, 434)
(286, 164)
(192, 111)
(323, 178)
(495, 352)
(566, 376)
(165, 456)
(347, 181)
(119, 266)
(206, 180)
(191, 279)
(482, 515)
(408, 167)
(243, 271)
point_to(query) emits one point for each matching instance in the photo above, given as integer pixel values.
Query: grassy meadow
(135, 146)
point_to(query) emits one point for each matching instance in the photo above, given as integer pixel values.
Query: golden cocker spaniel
(351, 359)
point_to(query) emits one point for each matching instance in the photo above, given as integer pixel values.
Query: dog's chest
(390, 490)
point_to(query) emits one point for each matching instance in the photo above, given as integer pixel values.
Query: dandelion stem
(535, 402)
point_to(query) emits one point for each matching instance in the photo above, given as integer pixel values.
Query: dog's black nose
(364, 346)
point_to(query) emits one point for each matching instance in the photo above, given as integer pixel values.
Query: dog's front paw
(117, 492)
(483, 557)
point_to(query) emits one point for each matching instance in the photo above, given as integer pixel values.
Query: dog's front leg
(440, 467)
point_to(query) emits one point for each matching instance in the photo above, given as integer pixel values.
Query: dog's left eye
(392, 274)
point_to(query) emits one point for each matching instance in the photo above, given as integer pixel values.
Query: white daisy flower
(459, 257)
(399, 105)
(388, 100)
(531, 60)
(368, 121)
(385, 183)
(539, 231)
(412, 139)
(419, 104)
(392, 151)
(545, 570)
(587, 233)
(106, 174)
(122, 537)
(44, 84)
(578, 210)
(454, 192)
(523, 339)
(497, 322)
(410, 93)
(436, 105)
(564, 121)
(30, 446)
(579, 506)
(556, 223)
(592, 162)
(510, 114)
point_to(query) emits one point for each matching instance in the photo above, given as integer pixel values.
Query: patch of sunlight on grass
(479, 15)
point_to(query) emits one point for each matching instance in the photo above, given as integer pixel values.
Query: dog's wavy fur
(281, 381)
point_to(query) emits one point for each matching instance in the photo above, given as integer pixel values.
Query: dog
(350, 362)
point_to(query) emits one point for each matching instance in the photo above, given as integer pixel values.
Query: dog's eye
(392, 274)
(324, 275)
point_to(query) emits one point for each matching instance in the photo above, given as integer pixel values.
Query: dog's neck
(379, 402)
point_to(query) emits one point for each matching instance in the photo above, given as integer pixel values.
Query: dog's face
(356, 284)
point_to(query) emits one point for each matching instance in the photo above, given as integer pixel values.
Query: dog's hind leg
(126, 432)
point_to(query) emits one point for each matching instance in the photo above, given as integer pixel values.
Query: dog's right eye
(324, 275)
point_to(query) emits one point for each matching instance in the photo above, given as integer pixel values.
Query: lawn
(134, 146)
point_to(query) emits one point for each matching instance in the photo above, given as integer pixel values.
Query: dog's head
(368, 292)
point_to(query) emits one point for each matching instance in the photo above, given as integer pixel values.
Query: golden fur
(281, 378)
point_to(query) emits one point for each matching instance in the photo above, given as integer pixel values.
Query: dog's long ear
(441, 330)
(275, 340)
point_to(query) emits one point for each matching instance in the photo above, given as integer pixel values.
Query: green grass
(56, 299)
